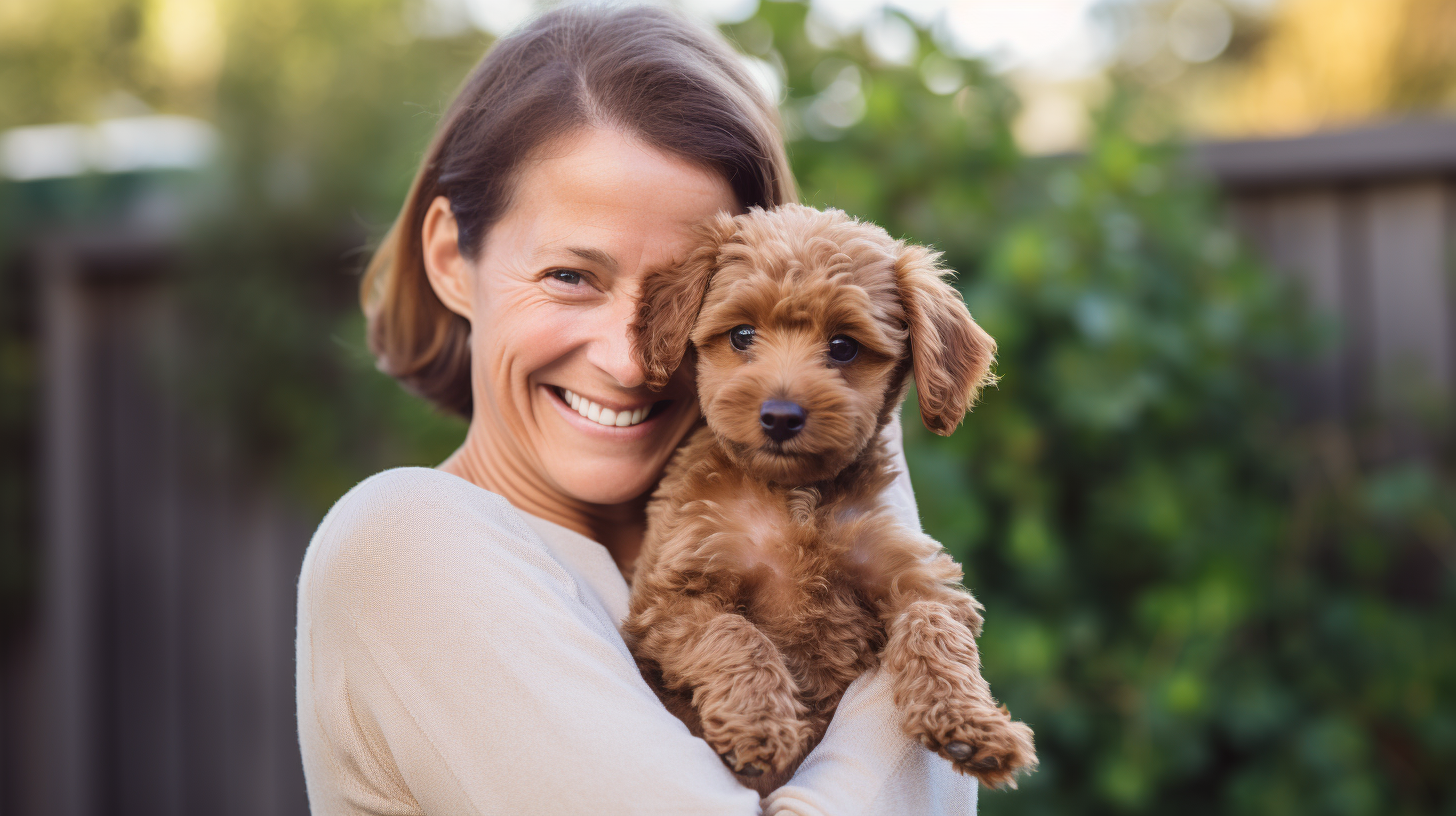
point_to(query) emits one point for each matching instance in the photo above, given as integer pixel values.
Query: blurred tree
(325, 108)
(1289, 67)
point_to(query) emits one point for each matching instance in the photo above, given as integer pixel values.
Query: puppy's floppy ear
(951, 355)
(671, 299)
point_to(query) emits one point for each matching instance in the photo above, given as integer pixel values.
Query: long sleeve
(448, 664)
(900, 494)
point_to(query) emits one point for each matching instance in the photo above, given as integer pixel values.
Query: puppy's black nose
(781, 419)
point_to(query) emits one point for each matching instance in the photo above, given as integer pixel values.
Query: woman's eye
(842, 349)
(567, 277)
(741, 337)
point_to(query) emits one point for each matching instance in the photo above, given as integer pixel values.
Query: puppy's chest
(791, 552)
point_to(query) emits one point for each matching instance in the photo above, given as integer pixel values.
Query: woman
(457, 641)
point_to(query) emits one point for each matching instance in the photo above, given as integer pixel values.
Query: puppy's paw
(754, 745)
(756, 733)
(979, 740)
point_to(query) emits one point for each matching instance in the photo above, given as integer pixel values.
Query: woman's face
(553, 291)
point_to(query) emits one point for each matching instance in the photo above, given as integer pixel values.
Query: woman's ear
(671, 299)
(951, 355)
(449, 271)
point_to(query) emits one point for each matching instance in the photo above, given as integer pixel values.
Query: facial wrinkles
(518, 454)
(594, 369)
(508, 286)
(628, 209)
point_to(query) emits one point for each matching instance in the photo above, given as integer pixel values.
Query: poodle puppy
(772, 573)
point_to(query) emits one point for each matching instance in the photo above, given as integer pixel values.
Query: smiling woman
(458, 643)
(549, 296)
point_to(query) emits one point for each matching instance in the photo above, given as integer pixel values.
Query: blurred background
(1211, 508)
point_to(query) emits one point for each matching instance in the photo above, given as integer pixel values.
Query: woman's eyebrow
(595, 256)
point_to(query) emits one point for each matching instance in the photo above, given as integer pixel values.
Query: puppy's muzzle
(781, 420)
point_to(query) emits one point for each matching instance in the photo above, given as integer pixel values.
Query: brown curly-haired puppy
(772, 573)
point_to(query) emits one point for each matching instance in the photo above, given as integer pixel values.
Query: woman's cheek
(522, 338)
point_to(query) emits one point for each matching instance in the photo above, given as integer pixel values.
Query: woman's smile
(607, 414)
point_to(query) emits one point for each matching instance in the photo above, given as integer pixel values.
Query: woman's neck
(617, 527)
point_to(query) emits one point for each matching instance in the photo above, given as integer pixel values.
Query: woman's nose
(611, 349)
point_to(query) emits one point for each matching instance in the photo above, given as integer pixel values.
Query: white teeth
(604, 416)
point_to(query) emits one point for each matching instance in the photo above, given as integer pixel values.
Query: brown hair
(641, 70)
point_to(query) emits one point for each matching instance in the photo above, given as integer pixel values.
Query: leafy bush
(1200, 605)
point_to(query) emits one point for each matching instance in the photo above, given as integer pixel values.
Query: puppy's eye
(842, 349)
(741, 337)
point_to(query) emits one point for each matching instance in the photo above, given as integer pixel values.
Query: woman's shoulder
(417, 524)
(410, 502)
(410, 496)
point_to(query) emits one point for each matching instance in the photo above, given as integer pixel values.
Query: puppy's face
(802, 323)
(797, 340)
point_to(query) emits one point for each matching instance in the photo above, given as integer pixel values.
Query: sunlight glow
(124, 145)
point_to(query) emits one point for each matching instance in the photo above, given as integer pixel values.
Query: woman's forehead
(603, 190)
(602, 177)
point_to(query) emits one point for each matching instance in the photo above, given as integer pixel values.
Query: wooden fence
(1364, 220)
(155, 675)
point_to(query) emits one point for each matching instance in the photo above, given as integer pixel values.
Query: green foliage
(1200, 605)
(326, 107)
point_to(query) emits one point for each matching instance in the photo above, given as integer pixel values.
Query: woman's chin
(609, 482)
(610, 465)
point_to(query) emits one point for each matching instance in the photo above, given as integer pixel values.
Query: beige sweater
(457, 656)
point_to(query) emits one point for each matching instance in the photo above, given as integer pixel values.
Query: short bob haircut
(640, 70)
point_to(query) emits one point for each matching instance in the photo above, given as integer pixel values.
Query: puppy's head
(803, 324)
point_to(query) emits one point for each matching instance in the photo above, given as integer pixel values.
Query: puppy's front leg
(744, 694)
(932, 624)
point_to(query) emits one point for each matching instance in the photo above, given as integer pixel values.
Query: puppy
(772, 573)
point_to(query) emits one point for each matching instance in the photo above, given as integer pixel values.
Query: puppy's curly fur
(773, 574)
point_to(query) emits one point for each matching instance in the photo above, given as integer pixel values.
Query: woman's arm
(865, 763)
(900, 495)
(449, 665)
